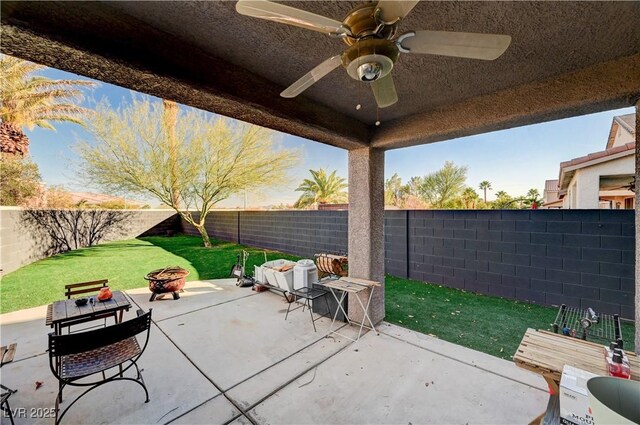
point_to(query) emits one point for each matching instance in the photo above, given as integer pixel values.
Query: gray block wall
(582, 258)
(302, 233)
(19, 247)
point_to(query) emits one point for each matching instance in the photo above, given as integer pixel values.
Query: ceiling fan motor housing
(370, 59)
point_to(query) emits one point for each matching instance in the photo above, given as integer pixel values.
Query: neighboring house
(604, 179)
(550, 198)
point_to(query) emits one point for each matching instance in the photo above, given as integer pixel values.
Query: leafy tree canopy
(441, 188)
(203, 161)
(19, 180)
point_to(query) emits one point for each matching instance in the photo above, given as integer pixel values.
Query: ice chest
(574, 398)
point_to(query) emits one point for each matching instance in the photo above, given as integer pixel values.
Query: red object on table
(105, 294)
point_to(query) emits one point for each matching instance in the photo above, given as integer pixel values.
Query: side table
(308, 294)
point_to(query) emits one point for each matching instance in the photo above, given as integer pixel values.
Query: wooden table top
(65, 310)
(547, 353)
(350, 284)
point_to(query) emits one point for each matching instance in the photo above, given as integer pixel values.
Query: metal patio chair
(77, 356)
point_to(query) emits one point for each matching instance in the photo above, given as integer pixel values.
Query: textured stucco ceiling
(217, 52)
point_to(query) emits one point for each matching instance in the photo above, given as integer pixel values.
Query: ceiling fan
(370, 31)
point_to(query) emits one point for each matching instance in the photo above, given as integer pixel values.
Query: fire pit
(170, 279)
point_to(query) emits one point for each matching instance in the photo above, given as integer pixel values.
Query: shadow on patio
(223, 354)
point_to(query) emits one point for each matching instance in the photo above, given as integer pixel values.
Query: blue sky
(513, 160)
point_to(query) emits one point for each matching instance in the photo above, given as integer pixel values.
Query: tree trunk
(13, 140)
(204, 234)
(170, 119)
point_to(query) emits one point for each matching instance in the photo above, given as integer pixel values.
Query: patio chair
(77, 357)
(81, 288)
(74, 289)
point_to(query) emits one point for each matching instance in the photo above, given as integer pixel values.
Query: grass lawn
(124, 263)
(489, 324)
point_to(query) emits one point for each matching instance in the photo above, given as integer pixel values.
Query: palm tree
(484, 185)
(469, 197)
(322, 188)
(28, 100)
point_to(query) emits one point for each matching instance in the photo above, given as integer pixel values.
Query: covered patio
(226, 355)
(565, 59)
(223, 354)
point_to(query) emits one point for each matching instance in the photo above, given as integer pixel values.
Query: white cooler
(305, 274)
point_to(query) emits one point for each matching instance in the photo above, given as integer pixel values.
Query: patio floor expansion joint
(223, 393)
(204, 308)
(463, 362)
(301, 374)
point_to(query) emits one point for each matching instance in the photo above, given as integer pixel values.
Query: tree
(503, 201)
(413, 186)
(394, 191)
(215, 158)
(62, 230)
(322, 188)
(532, 196)
(19, 180)
(485, 185)
(170, 117)
(28, 100)
(57, 197)
(469, 198)
(440, 189)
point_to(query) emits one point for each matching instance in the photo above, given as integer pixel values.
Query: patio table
(547, 353)
(350, 285)
(66, 312)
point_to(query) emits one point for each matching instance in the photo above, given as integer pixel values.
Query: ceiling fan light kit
(370, 32)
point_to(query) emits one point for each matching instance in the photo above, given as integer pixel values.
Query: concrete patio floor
(223, 354)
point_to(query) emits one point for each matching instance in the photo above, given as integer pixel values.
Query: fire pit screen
(170, 279)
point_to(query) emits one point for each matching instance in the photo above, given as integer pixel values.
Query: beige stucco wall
(584, 188)
(18, 246)
(622, 137)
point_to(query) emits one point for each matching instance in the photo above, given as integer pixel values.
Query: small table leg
(365, 311)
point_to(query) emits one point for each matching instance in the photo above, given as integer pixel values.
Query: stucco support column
(366, 222)
(637, 302)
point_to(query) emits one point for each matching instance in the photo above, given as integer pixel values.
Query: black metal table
(308, 294)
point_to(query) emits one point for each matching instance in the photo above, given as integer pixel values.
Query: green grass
(124, 263)
(489, 324)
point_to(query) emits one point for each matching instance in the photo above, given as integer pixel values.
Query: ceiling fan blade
(392, 10)
(277, 12)
(308, 79)
(384, 91)
(458, 44)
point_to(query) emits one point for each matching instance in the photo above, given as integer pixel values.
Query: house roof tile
(598, 155)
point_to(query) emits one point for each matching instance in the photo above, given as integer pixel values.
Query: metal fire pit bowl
(170, 279)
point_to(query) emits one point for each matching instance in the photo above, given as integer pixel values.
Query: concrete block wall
(18, 247)
(302, 233)
(582, 258)
(221, 225)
